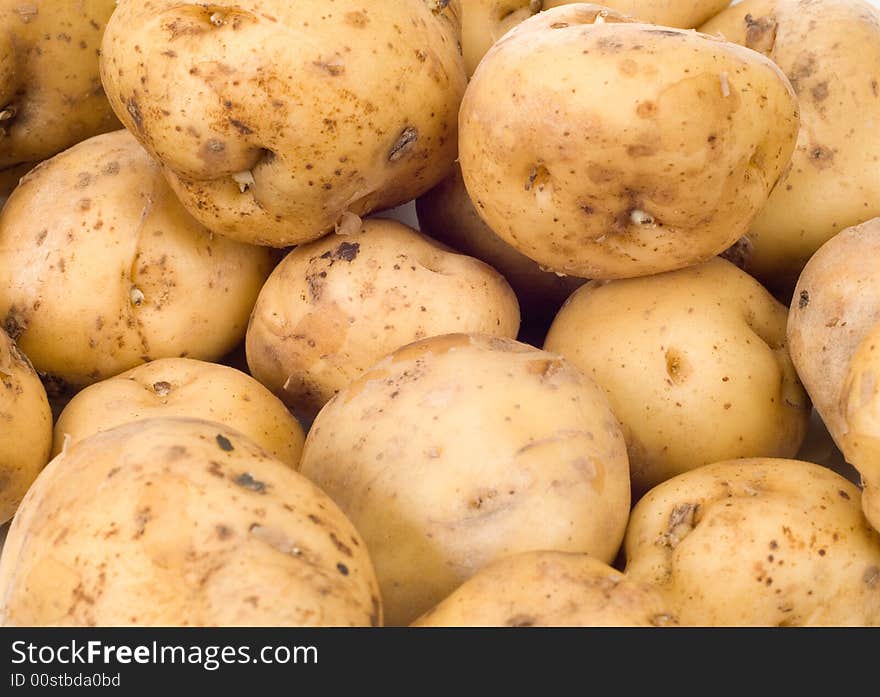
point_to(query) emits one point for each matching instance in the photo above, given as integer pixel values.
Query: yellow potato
(334, 307)
(549, 589)
(616, 150)
(758, 542)
(446, 213)
(101, 269)
(51, 95)
(694, 363)
(484, 22)
(25, 426)
(183, 387)
(830, 49)
(460, 449)
(181, 522)
(274, 119)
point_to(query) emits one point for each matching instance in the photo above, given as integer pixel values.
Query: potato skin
(651, 149)
(447, 213)
(836, 303)
(181, 522)
(460, 449)
(549, 589)
(101, 269)
(183, 387)
(694, 363)
(758, 542)
(50, 86)
(321, 112)
(25, 426)
(485, 21)
(335, 307)
(830, 50)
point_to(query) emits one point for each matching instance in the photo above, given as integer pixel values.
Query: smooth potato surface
(181, 522)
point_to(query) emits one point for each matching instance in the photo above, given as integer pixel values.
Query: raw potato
(836, 304)
(446, 213)
(25, 426)
(50, 87)
(181, 522)
(694, 363)
(830, 49)
(484, 22)
(101, 269)
(860, 408)
(458, 450)
(273, 119)
(550, 589)
(758, 542)
(333, 308)
(650, 149)
(181, 387)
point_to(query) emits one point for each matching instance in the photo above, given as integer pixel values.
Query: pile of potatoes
(617, 363)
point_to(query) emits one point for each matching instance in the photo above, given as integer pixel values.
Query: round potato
(183, 387)
(758, 542)
(101, 269)
(334, 307)
(836, 304)
(446, 213)
(550, 589)
(694, 363)
(282, 117)
(50, 86)
(461, 449)
(181, 522)
(25, 426)
(660, 147)
(833, 181)
(485, 21)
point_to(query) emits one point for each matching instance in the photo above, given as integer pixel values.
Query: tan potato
(285, 116)
(549, 589)
(615, 150)
(25, 426)
(334, 307)
(758, 542)
(50, 86)
(446, 213)
(860, 409)
(182, 387)
(694, 363)
(830, 49)
(484, 22)
(181, 522)
(836, 304)
(461, 449)
(101, 269)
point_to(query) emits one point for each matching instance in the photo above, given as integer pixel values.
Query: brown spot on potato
(404, 143)
(521, 621)
(820, 92)
(15, 323)
(821, 157)
(646, 110)
(247, 481)
(761, 33)
(872, 576)
(342, 568)
(356, 19)
(347, 251)
(340, 545)
(224, 443)
(223, 532)
(677, 366)
(242, 128)
(682, 521)
(803, 300)
(141, 518)
(134, 111)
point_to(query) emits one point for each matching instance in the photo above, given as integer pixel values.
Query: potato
(274, 119)
(549, 589)
(181, 387)
(830, 49)
(860, 409)
(334, 307)
(101, 269)
(758, 542)
(484, 22)
(836, 304)
(446, 213)
(658, 149)
(50, 87)
(181, 522)
(25, 426)
(460, 449)
(694, 363)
